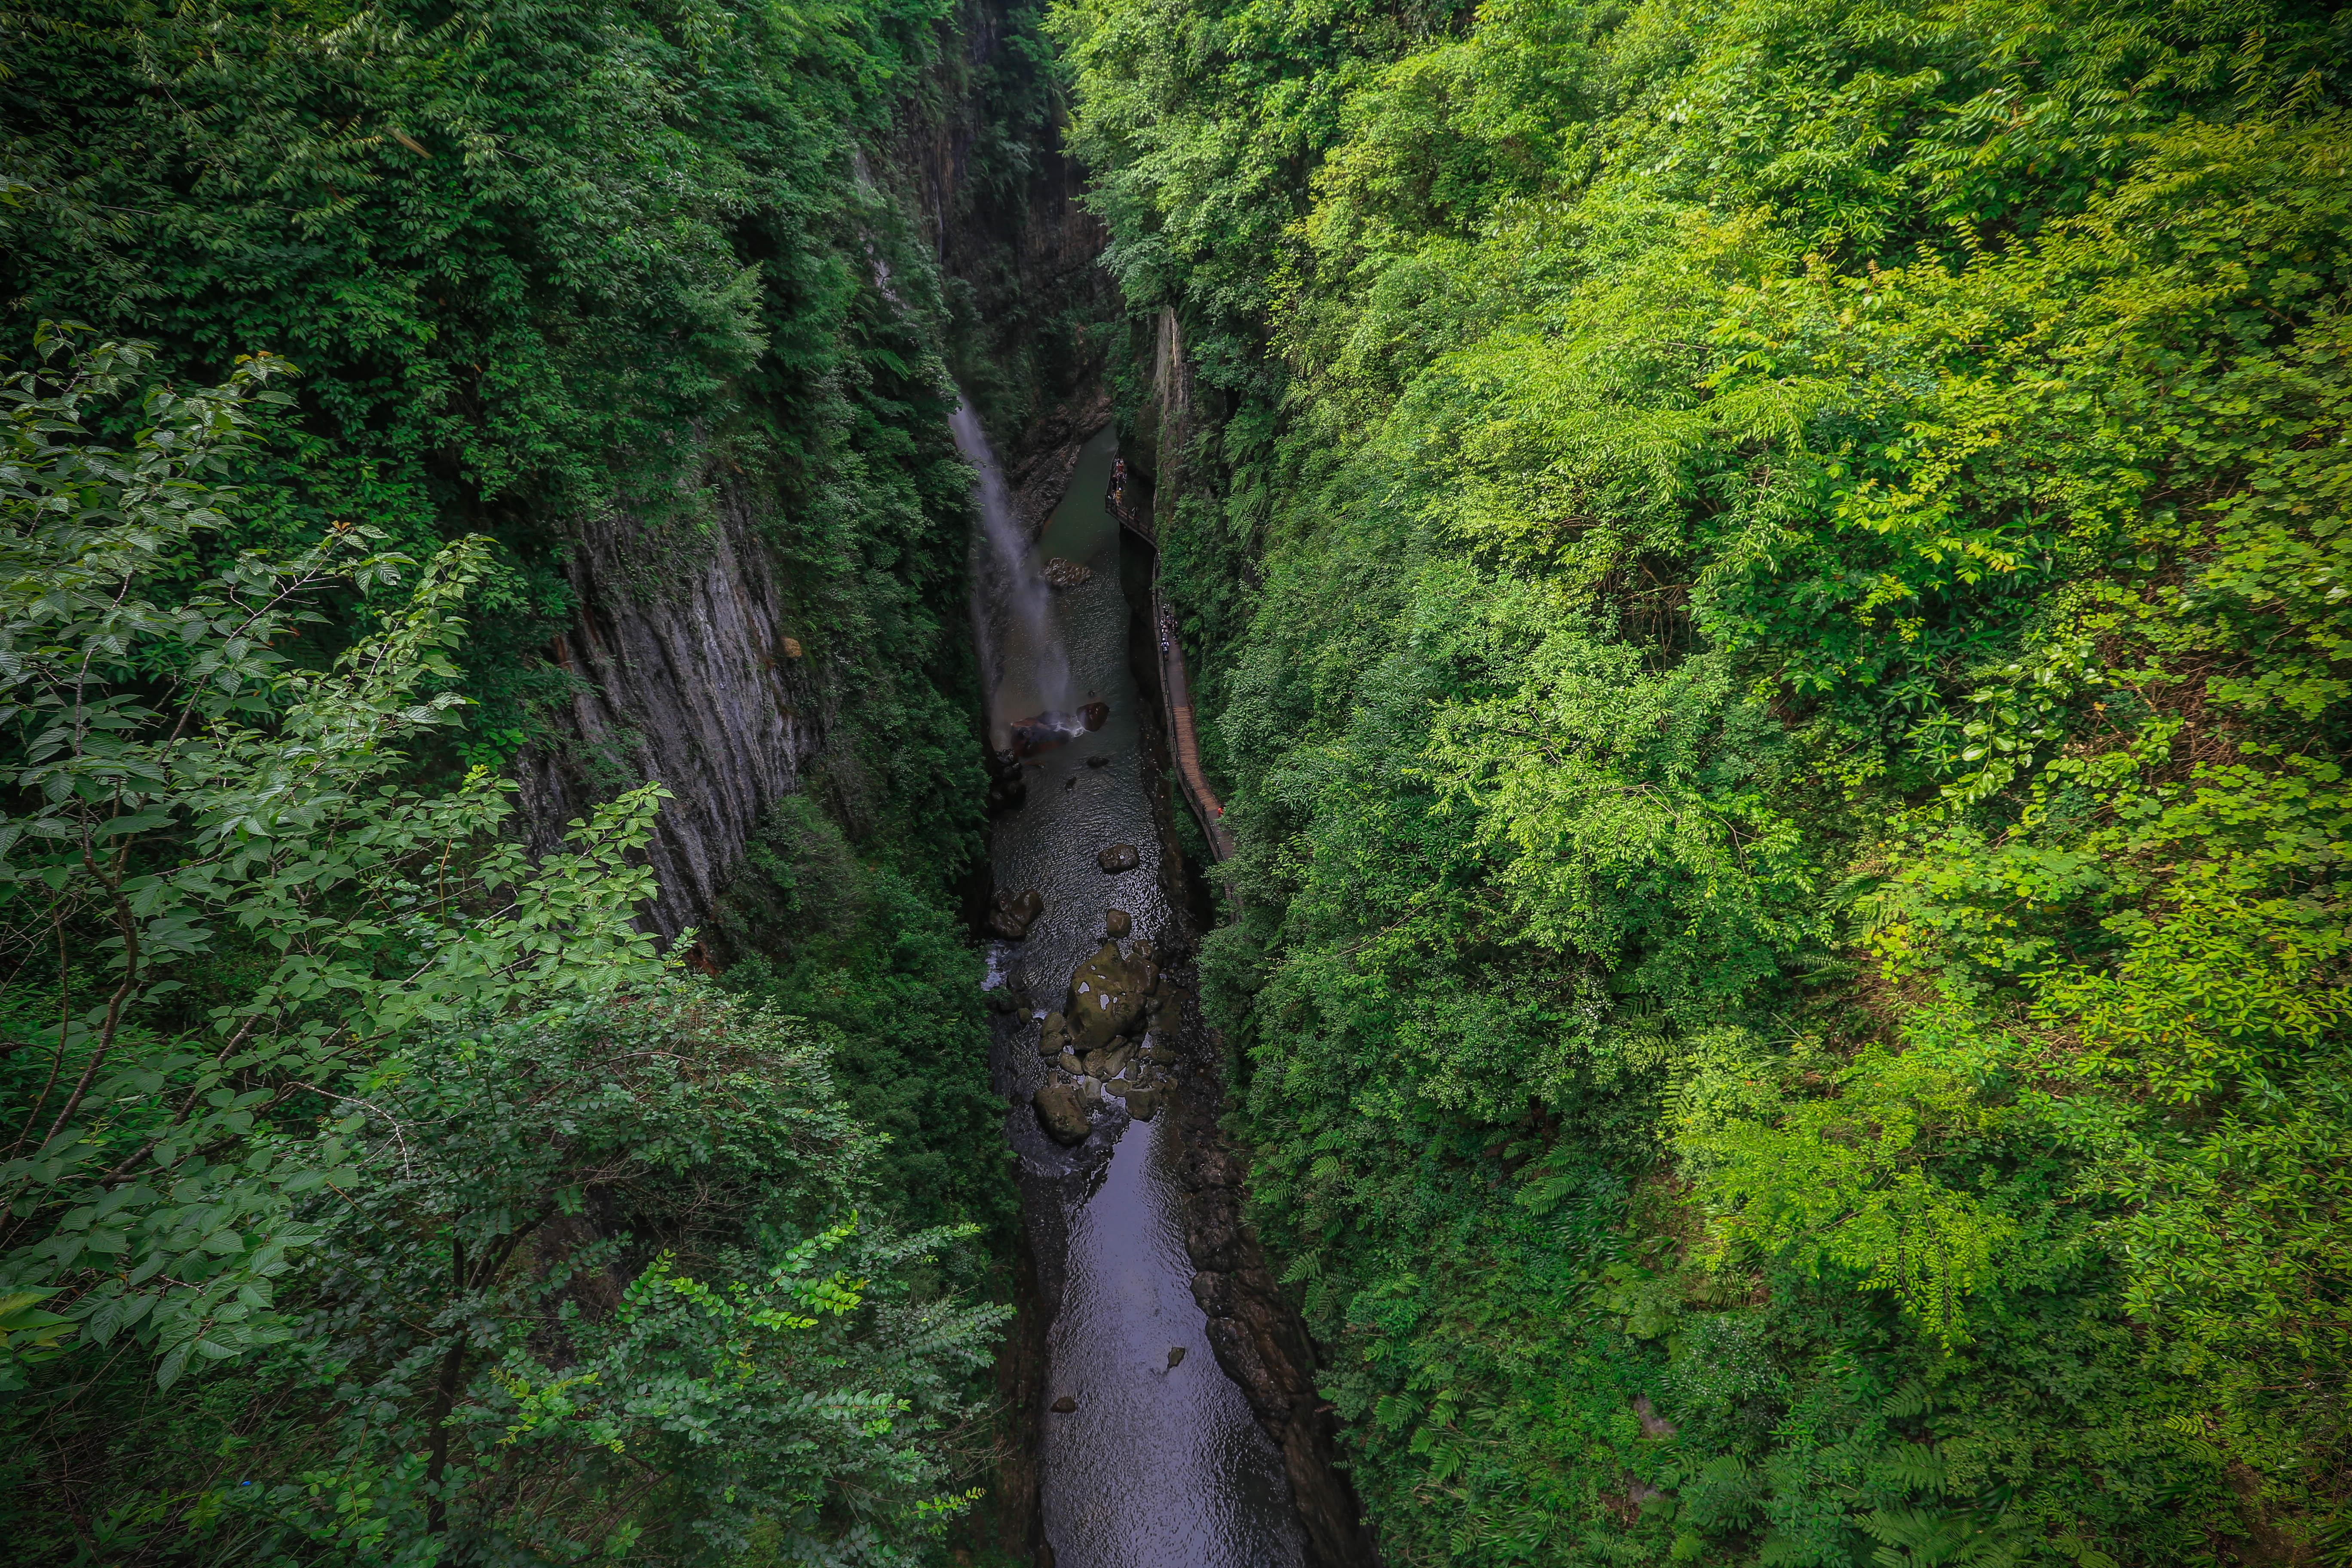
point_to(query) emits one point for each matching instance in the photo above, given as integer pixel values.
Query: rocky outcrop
(688, 675)
(1098, 1040)
(1062, 1111)
(1011, 918)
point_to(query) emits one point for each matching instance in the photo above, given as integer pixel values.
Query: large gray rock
(1061, 1113)
(1118, 857)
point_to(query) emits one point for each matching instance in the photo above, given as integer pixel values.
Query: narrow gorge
(1175, 783)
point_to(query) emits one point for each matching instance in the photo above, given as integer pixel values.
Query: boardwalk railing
(1176, 692)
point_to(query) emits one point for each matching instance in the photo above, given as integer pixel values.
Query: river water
(1159, 1466)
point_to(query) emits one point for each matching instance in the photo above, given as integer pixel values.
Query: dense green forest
(1769, 589)
(1769, 582)
(375, 1193)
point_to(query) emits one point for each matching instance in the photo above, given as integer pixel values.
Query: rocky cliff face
(695, 682)
(687, 673)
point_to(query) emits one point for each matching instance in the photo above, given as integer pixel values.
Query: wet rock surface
(1062, 1111)
(1118, 857)
(1011, 916)
(1061, 573)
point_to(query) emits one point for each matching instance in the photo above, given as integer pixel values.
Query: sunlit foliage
(1774, 598)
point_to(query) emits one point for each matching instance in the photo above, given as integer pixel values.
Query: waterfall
(1026, 668)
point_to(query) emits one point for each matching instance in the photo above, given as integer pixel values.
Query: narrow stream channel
(1158, 1465)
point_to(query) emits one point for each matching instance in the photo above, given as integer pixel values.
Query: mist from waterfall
(1026, 668)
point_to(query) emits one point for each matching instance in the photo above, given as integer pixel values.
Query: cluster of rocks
(1061, 573)
(1105, 1041)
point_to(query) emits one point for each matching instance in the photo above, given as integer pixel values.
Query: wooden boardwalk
(1177, 692)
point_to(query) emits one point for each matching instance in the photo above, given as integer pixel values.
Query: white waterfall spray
(1022, 657)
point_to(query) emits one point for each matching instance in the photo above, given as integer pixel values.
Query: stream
(1159, 1464)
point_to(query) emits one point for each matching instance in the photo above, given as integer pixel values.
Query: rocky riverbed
(1148, 1453)
(1100, 1041)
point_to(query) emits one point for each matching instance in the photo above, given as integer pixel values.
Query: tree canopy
(1768, 578)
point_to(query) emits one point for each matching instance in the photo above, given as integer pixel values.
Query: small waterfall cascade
(1149, 1454)
(1026, 668)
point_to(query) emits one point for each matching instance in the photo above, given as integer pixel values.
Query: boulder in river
(1100, 1007)
(1053, 1037)
(1117, 923)
(1118, 857)
(1061, 1113)
(1061, 573)
(1065, 1405)
(1095, 715)
(1143, 1104)
(1175, 1357)
(1011, 917)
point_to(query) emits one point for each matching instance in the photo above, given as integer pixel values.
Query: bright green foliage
(501, 1236)
(1775, 608)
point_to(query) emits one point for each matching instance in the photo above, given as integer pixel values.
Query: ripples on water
(1158, 1468)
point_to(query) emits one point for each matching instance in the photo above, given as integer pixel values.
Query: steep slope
(1759, 579)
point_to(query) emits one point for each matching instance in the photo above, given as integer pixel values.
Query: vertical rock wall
(686, 676)
(689, 676)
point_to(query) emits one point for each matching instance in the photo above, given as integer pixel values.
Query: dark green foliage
(1770, 605)
(535, 268)
(872, 956)
(374, 1191)
(534, 263)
